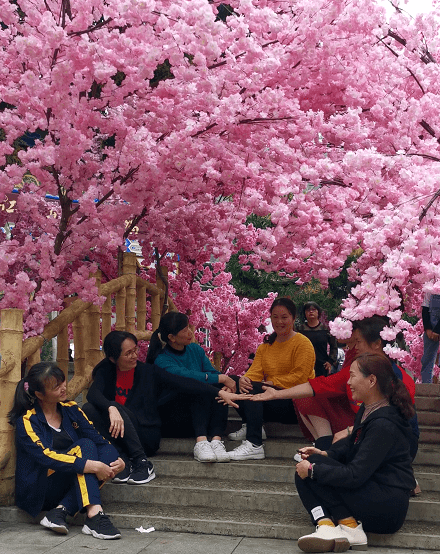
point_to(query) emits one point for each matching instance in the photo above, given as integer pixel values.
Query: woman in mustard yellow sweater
(285, 359)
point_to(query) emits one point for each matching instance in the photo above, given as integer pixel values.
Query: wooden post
(106, 325)
(129, 268)
(11, 337)
(155, 310)
(141, 307)
(78, 341)
(92, 331)
(63, 350)
(120, 310)
(161, 285)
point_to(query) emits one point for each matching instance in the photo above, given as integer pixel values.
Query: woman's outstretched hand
(268, 394)
(229, 398)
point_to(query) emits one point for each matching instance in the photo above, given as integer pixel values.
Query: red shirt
(124, 384)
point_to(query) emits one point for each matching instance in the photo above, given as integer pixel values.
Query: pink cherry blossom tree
(169, 122)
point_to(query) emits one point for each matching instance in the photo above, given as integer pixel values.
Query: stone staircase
(258, 498)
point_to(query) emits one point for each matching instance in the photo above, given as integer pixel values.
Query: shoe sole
(243, 438)
(221, 460)
(60, 529)
(205, 461)
(143, 482)
(117, 480)
(250, 457)
(87, 531)
(316, 544)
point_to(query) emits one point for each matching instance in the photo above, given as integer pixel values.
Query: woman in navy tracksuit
(61, 458)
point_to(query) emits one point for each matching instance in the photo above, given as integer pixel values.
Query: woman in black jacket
(363, 481)
(123, 403)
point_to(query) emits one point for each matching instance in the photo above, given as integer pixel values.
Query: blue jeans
(430, 349)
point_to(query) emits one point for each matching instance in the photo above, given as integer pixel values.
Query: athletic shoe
(356, 537)
(240, 435)
(100, 527)
(203, 452)
(143, 472)
(218, 447)
(124, 475)
(247, 451)
(56, 520)
(324, 539)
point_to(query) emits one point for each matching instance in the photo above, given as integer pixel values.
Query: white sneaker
(218, 447)
(356, 537)
(247, 451)
(203, 452)
(240, 435)
(324, 539)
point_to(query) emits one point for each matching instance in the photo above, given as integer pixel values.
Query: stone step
(427, 389)
(270, 470)
(280, 498)
(427, 404)
(428, 454)
(429, 434)
(429, 418)
(255, 523)
(413, 535)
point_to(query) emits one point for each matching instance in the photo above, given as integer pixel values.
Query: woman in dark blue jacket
(61, 458)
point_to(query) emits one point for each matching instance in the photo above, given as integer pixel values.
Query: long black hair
(170, 324)
(290, 307)
(35, 381)
(390, 386)
(112, 347)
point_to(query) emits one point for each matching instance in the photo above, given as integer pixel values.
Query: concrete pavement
(28, 538)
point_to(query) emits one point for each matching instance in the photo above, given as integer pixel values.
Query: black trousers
(192, 416)
(380, 508)
(137, 441)
(254, 414)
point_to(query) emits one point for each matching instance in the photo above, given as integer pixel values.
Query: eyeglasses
(131, 353)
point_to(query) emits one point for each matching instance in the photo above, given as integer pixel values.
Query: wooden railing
(90, 324)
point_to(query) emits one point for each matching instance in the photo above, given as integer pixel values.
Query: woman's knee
(85, 448)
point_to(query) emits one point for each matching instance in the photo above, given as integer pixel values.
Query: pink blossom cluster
(322, 116)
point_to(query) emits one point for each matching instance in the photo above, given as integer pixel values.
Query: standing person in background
(172, 349)
(285, 359)
(363, 482)
(431, 335)
(325, 345)
(61, 458)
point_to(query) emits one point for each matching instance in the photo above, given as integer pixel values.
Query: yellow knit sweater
(287, 363)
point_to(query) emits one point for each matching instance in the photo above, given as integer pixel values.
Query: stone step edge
(401, 539)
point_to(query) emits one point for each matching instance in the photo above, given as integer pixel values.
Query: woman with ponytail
(172, 349)
(363, 482)
(61, 458)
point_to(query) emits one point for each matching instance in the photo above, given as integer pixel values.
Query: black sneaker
(56, 520)
(143, 472)
(100, 527)
(123, 476)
